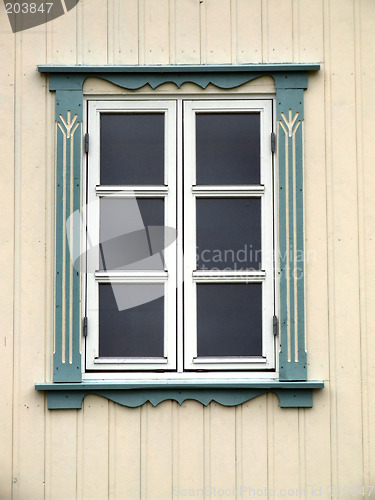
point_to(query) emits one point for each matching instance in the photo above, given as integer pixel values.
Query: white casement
(165, 277)
(178, 278)
(264, 276)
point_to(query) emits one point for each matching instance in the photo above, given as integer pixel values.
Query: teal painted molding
(290, 394)
(134, 77)
(67, 355)
(180, 68)
(290, 82)
(290, 124)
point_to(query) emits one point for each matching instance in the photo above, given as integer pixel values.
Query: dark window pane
(229, 319)
(132, 148)
(131, 230)
(131, 320)
(229, 233)
(228, 148)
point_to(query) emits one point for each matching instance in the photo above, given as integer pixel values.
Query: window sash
(192, 192)
(95, 192)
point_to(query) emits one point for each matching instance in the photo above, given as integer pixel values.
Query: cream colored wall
(106, 450)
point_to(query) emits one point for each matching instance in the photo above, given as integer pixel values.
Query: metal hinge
(84, 326)
(273, 142)
(86, 143)
(275, 325)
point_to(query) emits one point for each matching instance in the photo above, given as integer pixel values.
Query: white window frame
(95, 191)
(192, 276)
(183, 359)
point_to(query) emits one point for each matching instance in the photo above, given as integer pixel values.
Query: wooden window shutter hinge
(86, 143)
(84, 326)
(275, 325)
(273, 142)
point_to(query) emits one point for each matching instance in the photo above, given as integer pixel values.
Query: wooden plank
(157, 464)
(248, 31)
(187, 32)
(308, 31)
(7, 49)
(272, 402)
(218, 32)
(190, 448)
(30, 271)
(316, 257)
(279, 27)
(286, 452)
(365, 76)
(95, 448)
(63, 41)
(222, 447)
(123, 32)
(61, 455)
(343, 250)
(252, 455)
(156, 31)
(172, 31)
(125, 453)
(80, 454)
(94, 32)
(318, 451)
(264, 6)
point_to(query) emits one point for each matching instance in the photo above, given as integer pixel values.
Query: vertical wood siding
(108, 451)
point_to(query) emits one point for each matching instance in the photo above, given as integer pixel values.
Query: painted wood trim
(67, 353)
(290, 123)
(183, 68)
(70, 396)
(181, 383)
(290, 81)
(135, 77)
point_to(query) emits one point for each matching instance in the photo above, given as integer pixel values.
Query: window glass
(131, 233)
(132, 149)
(229, 319)
(131, 320)
(228, 233)
(228, 148)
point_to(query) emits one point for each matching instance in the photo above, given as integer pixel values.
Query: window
(182, 361)
(180, 236)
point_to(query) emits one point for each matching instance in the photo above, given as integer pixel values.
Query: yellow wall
(106, 450)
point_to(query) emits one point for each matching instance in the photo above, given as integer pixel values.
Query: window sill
(136, 393)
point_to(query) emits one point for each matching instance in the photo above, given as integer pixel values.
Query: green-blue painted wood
(289, 106)
(180, 384)
(133, 394)
(295, 399)
(289, 398)
(67, 357)
(185, 68)
(290, 80)
(66, 81)
(135, 77)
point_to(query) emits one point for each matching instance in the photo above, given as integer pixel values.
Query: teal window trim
(293, 389)
(136, 393)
